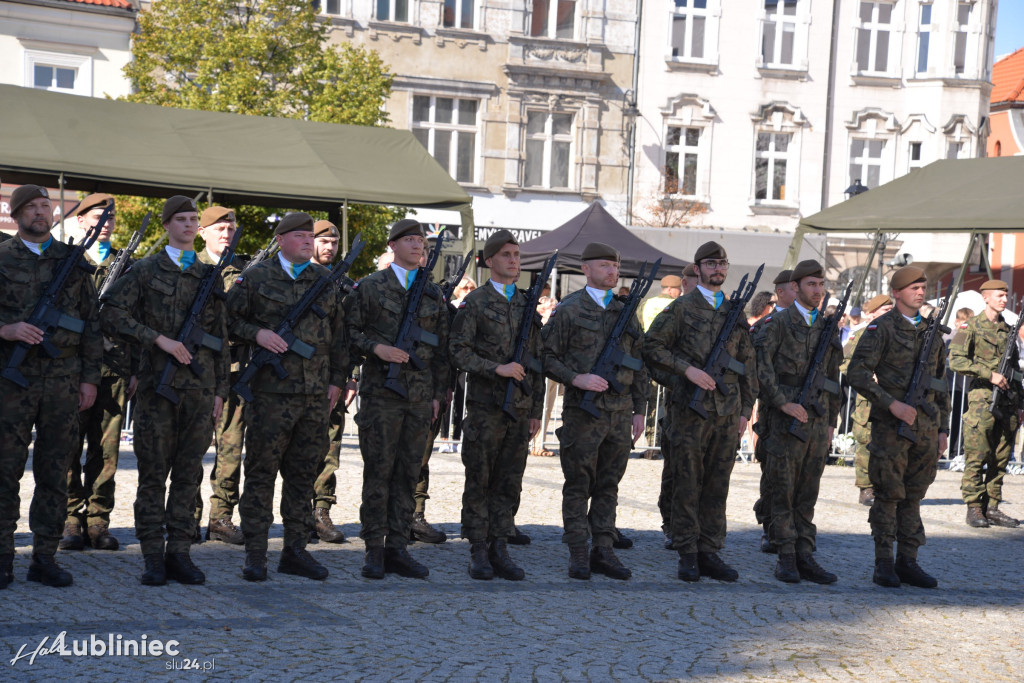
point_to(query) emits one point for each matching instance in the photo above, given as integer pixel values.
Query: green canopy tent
(93, 145)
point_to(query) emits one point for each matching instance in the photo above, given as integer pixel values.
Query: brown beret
(709, 250)
(877, 302)
(26, 193)
(994, 284)
(784, 277)
(215, 214)
(406, 226)
(176, 204)
(671, 281)
(325, 229)
(496, 241)
(809, 268)
(99, 200)
(907, 275)
(296, 220)
(599, 250)
(691, 271)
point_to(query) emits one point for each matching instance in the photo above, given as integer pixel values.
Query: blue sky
(1009, 27)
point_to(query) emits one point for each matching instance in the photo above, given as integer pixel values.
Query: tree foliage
(261, 58)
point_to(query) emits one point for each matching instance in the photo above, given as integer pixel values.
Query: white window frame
(800, 20)
(712, 16)
(874, 26)
(82, 64)
(772, 155)
(410, 11)
(925, 31)
(459, 5)
(682, 149)
(862, 176)
(963, 30)
(342, 10)
(549, 138)
(913, 163)
(552, 28)
(432, 126)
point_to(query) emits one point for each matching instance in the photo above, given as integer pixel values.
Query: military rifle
(122, 259)
(263, 254)
(1007, 368)
(815, 382)
(521, 352)
(449, 287)
(286, 329)
(192, 335)
(612, 356)
(719, 359)
(921, 382)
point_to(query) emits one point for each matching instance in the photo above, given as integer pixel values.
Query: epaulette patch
(239, 279)
(462, 304)
(872, 327)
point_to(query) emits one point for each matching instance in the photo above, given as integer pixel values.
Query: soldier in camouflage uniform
(217, 226)
(483, 339)
(703, 450)
(785, 295)
(393, 430)
(786, 345)
(861, 427)
(91, 501)
(976, 352)
(594, 451)
(901, 470)
(58, 388)
(147, 307)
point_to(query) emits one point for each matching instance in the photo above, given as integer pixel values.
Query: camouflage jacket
(23, 278)
(862, 412)
(117, 361)
(785, 346)
(239, 352)
(484, 336)
(378, 306)
(574, 338)
(883, 363)
(684, 334)
(976, 351)
(153, 298)
(262, 298)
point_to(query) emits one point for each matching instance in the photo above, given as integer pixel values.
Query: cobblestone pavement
(547, 627)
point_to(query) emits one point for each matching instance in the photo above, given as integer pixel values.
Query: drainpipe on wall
(632, 129)
(830, 106)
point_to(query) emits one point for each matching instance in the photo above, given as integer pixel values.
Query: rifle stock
(918, 388)
(520, 353)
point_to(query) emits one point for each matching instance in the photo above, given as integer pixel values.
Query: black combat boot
(325, 528)
(399, 561)
(179, 566)
(6, 570)
(73, 538)
(688, 570)
(603, 561)
(867, 496)
(714, 567)
(503, 564)
(373, 563)
(579, 565)
(812, 571)
(910, 572)
(996, 517)
(45, 570)
(518, 537)
(424, 533)
(225, 531)
(976, 518)
(255, 568)
(479, 565)
(766, 542)
(101, 538)
(785, 568)
(885, 574)
(621, 541)
(156, 572)
(668, 541)
(298, 562)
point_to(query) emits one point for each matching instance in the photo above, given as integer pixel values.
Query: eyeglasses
(715, 265)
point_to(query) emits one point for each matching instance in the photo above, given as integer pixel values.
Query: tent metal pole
(794, 248)
(867, 267)
(344, 226)
(983, 251)
(960, 276)
(60, 231)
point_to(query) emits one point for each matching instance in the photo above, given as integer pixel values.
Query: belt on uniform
(794, 381)
(321, 349)
(730, 378)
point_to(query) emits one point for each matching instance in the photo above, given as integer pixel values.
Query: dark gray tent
(595, 225)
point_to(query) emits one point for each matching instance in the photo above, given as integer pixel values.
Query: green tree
(261, 58)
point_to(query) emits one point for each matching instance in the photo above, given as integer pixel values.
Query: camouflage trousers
(285, 433)
(326, 482)
(655, 410)
(665, 495)
(901, 472)
(593, 453)
(170, 441)
(763, 504)
(51, 405)
(91, 486)
(794, 472)
(226, 475)
(703, 455)
(494, 455)
(392, 436)
(421, 494)
(988, 445)
(862, 456)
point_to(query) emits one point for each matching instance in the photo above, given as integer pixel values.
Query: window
(963, 19)
(923, 36)
(778, 35)
(682, 154)
(49, 77)
(866, 161)
(393, 10)
(458, 14)
(58, 72)
(553, 19)
(548, 149)
(914, 153)
(873, 36)
(327, 6)
(770, 162)
(447, 127)
(689, 25)
(999, 148)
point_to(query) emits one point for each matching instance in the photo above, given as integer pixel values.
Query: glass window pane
(534, 176)
(761, 179)
(334, 6)
(467, 14)
(882, 51)
(423, 135)
(383, 10)
(443, 107)
(699, 4)
(768, 42)
(863, 48)
(678, 36)
(539, 18)
(874, 173)
(43, 76)
(66, 78)
(922, 52)
(420, 108)
(464, 160)
(857, 148)
(788, 41)
(674, 133)
(566, 19)
(789, 8)
(782, 142)
(875, 148)
(535, 121)
(401, 10)
(672, 172)
(689, 174)
(855, 173)
(865, 11)
(560, 164)
(443, 147)
(467, 112)
(960, 52)
(763, 141)
(697, 49)
(448, 14)
(692, 137)
(926, 15)
(915, 151)
(779, 181)
(884, 13)
(561, 124)
(963, 13)
(680, 3)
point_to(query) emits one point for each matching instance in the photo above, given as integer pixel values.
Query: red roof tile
(119, 4)
(1008, 79)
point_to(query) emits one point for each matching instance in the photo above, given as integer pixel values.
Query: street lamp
(855, 189)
